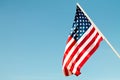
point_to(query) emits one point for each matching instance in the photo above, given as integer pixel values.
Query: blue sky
(33, 35)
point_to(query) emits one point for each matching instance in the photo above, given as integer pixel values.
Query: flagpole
(112, 48)
(117, 54)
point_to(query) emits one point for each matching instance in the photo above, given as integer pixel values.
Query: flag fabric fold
(82, 42)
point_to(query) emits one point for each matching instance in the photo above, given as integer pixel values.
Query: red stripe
(89, 55)
(69, 38)
(66, 72)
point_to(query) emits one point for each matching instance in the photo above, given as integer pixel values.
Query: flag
(82, 42)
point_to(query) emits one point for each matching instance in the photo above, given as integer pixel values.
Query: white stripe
(85, 54)
(81, 48)
(72, 49)
(69, 73)
(69, 43)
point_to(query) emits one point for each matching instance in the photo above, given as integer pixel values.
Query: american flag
(82, 42)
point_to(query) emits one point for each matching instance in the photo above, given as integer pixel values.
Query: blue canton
(80, 25)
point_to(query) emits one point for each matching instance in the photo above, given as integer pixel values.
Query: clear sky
(33, 34)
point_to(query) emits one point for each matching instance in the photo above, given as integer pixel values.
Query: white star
(77, 38)
(80, 34)
(74, 28)
(83, 23)
(80, 30)
(80, 23)
(77, 20)
(74, 35)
